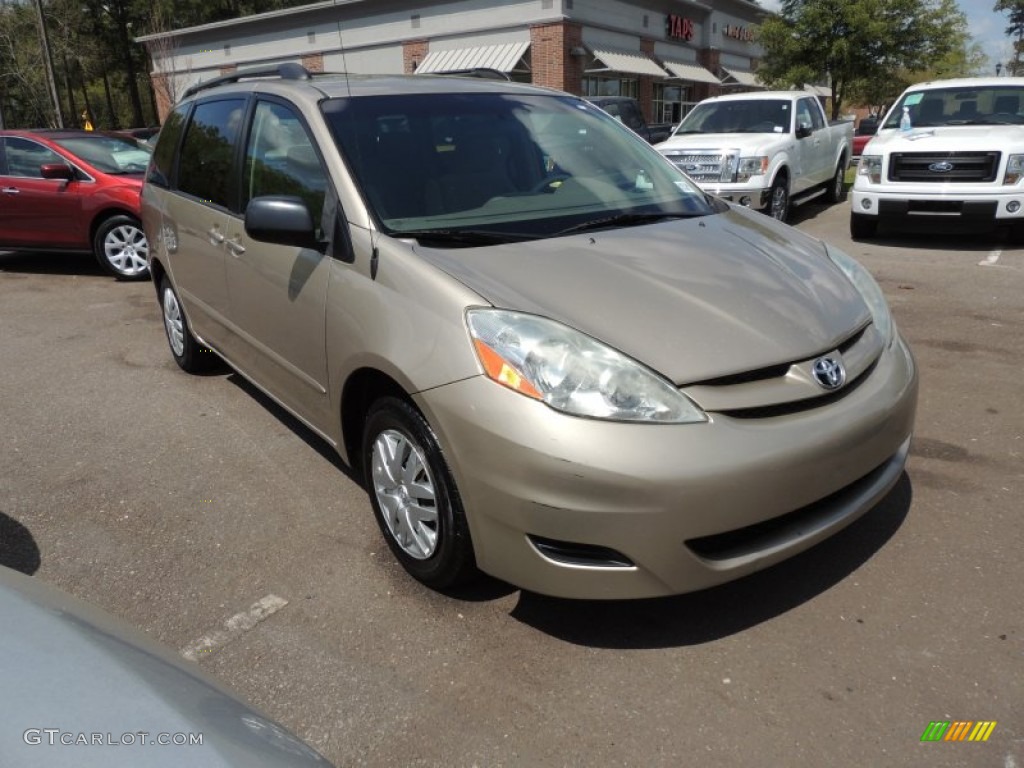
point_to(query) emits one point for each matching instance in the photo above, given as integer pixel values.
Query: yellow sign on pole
(86, 122)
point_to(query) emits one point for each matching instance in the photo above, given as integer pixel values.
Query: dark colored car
(71, 190)
(866, 129)
(626, 110)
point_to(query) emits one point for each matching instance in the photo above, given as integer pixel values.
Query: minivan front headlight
(572, 372)
(868, 289)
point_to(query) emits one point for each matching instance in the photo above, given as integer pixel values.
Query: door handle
(11, 191)
(236, 248)
(215, 236)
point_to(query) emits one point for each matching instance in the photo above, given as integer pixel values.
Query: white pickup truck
(767, 150)
(961, 162)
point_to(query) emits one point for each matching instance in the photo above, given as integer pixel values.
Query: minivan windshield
(487, 167)
(988, 105)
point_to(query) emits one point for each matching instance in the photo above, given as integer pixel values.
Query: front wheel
(778, 199)
(414, 497)
(862, 227)
(121, 248)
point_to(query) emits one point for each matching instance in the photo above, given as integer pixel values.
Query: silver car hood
(691, 298)
(72, 667)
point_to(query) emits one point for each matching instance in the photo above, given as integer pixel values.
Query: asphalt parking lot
(178, 502)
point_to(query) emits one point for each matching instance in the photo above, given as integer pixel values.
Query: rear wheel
(188, 353)
(121, 247)
(414, 497)
(837, 187)
(862, 227)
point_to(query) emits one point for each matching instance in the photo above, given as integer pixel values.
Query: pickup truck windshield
(991, 105)
(747, 116)
(502, 165)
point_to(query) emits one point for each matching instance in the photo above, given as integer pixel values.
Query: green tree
(1015, 29)
(854, 43)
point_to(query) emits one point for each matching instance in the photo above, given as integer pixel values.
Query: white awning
(692, 72)
(818, 90)
(633, 63)
(504, 58)
(748, 79)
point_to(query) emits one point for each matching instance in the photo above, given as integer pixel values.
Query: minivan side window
(280, 159)
(207, 153)
(161, 163)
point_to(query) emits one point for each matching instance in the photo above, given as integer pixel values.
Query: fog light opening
(1013, 206)
(574, 553)
(865, 204)
(745, 201)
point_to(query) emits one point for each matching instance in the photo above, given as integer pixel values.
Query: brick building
(668, 54)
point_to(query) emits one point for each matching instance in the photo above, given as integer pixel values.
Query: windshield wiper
(625, 220)
(463, 236)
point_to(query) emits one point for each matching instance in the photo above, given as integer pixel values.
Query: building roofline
(267, 15)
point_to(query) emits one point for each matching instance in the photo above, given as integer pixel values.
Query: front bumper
(677, 501)
(990, 206)
(741, 194)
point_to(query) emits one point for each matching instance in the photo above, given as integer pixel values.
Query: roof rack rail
(487, 73)
(287, 71)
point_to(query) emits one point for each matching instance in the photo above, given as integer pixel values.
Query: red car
(74, 191)
(864, 133)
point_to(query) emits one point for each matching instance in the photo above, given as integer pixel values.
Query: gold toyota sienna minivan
(550, 355)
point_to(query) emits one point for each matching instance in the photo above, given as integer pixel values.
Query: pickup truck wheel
(862, 227)
(837, 187)
(778, 199)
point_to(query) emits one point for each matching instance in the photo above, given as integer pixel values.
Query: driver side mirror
(803, 131)
(57, 171)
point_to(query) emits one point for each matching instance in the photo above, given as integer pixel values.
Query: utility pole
(48, 64)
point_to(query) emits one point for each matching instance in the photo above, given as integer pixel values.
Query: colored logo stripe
(958, 730)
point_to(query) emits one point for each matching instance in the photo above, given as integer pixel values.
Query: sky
(984, 24)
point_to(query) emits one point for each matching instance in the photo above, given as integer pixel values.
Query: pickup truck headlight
(869, 291)
(871, 166)
(751, 166)
(1014, 169)
(572, 372)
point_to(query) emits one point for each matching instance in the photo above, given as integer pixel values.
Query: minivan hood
(691, 298)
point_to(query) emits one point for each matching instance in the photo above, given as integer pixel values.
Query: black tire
(862, 227)
(778, 199)
(121, 248)
(188, 353)
(837, 187)
(436, 550)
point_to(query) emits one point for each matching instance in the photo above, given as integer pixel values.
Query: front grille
(930, 167)
(800, 406)
(702, 167)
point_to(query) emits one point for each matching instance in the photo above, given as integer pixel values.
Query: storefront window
(609, 86)
(670, 103)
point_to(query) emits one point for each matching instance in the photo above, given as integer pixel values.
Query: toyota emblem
(943, 167)
(829, 373)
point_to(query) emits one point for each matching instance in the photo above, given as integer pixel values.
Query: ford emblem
(691, 167)
(942, 167)
(829, 373)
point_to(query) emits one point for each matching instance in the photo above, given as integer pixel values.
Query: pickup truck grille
(923, 167)
(701, 166)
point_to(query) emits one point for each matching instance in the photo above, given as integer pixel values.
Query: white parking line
(235, 626)
(992, 258)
